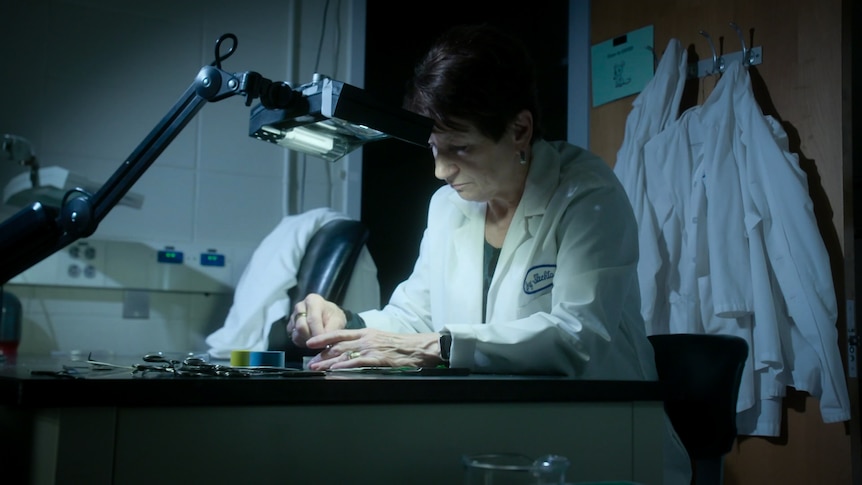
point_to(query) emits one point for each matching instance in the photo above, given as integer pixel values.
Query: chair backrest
(329, 260)
(702, 375)
(325, 268)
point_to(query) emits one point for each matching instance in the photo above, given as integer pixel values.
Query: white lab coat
(743, 253)
(564, 297)
(652, 110)
(675, 190)
(687, 168)
(781, 213)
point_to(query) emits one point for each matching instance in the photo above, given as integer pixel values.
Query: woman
(529, 260)
(528, 263)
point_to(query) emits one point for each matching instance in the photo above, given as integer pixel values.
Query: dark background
(398, 178)
(856, 154)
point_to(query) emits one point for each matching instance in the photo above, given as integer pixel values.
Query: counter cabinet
(334, 429)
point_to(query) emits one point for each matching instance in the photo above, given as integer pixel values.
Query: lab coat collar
(542, 179)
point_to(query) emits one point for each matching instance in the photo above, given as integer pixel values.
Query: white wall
(86, 80)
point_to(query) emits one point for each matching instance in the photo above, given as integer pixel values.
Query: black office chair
(325, 268)
(702, 374)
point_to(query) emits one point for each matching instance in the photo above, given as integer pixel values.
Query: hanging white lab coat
(694, 185)
(260, 298)
(781, 211)
(730, 202)
(653, 109)
(675, 190)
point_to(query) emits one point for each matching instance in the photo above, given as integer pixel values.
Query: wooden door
(799, 83)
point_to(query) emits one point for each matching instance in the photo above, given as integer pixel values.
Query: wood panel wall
(799, 83)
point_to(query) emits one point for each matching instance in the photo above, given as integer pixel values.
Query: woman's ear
(522, 128)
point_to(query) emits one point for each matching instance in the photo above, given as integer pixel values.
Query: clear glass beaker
(514, 469)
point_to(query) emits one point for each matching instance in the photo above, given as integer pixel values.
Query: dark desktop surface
(46, 381)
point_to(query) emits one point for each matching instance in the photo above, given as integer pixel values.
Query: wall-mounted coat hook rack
(717, 64)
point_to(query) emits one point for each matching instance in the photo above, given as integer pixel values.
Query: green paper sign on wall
(622, 66)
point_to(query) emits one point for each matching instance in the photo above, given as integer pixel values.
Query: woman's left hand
(368, 347)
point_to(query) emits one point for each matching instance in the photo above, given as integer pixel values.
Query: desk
(335, 429)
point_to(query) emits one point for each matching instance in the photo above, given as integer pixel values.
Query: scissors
(67, 372)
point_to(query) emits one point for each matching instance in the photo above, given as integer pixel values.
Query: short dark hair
(479, 74)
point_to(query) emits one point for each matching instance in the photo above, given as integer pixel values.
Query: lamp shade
(334, 118)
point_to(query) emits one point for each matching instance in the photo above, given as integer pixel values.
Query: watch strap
(445, 347)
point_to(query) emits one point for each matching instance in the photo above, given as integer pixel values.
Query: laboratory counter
(63, 422)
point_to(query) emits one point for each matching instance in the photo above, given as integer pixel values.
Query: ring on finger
(353, 354)
(301, 314)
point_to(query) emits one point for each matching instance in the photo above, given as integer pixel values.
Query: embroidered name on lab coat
(539, 278)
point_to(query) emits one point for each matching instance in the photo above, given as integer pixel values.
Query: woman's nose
(443, 169)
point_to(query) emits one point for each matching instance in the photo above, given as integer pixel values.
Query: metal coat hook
(718, 64)
(746, 54)
(717, 61)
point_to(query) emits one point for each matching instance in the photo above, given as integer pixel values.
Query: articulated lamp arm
(37, 231)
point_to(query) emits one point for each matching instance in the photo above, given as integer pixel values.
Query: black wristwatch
(445, 347)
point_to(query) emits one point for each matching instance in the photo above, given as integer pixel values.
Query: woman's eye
(459, 148)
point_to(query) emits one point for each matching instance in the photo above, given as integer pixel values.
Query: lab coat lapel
(541, 181)
(464, 271)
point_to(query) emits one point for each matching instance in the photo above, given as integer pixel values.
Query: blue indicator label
(212, 259)
(170, 256)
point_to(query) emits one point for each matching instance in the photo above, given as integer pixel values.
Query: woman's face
(478, 168)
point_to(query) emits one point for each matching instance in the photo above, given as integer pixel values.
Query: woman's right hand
(314, 315)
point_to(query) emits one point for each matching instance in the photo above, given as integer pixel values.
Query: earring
(523, 157)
